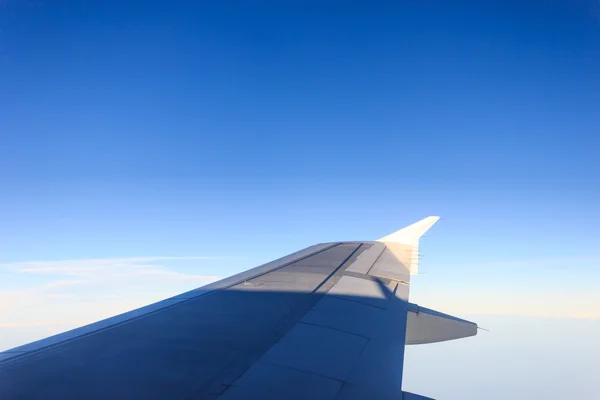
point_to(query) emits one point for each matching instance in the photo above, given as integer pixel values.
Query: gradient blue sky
(162, 145)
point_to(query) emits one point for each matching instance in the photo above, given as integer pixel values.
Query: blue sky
(163, 146)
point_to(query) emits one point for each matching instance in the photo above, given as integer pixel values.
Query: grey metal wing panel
(191, 346)
(350, 344)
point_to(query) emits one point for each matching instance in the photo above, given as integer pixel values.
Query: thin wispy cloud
(87, 267)
(116, 271)
(71, 293)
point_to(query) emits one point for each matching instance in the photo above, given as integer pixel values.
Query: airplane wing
(327, 322)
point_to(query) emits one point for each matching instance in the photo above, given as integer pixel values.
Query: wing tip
(411, 234)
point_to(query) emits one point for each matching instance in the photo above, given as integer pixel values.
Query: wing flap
(429, 326)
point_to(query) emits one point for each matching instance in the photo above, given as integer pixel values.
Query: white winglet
(410, 236)
(412, 233)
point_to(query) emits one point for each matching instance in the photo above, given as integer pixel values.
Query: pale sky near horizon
(148, 150)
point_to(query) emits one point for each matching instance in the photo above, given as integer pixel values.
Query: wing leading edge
(327, 322)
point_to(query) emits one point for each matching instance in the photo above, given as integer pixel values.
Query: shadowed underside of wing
(328, 322)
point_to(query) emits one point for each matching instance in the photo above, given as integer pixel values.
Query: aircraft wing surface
(327, 322)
